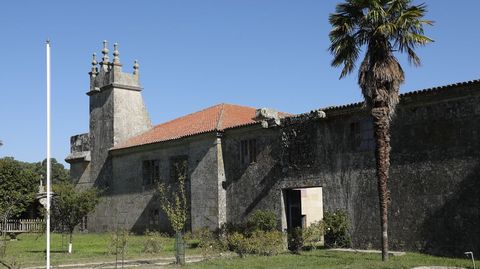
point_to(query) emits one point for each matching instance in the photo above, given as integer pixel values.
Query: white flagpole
(48, 155)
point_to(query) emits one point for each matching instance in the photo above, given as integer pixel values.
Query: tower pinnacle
(135, 67)
(116, 53)
(106, 74)
(105, 57)
(94, 71)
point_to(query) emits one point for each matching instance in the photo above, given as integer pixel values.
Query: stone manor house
(240, 159)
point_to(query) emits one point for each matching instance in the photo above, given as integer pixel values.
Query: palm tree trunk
(381, 127)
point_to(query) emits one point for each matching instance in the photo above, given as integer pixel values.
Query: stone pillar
(222, 193)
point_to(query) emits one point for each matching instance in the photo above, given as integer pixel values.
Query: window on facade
(151, 172)
(248, 151)
(154, 217)
(362, 135)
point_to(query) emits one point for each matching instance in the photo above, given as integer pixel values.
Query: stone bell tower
(117, 111)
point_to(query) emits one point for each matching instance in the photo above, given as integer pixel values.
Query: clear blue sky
(194, 54)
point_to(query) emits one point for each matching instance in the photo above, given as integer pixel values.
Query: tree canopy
(71, 205)
(59, 173)
(383, 27)
(18, 187)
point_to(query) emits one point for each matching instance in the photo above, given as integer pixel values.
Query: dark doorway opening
(293, 203)
(302, 207)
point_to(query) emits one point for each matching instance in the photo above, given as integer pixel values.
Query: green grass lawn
(320, 259)
(87, 248)
(29, 249)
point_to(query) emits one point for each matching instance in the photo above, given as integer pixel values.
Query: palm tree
(383, 27)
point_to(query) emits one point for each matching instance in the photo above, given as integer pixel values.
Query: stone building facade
(241, 159)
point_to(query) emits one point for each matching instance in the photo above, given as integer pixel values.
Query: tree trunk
(179, 248)
(70, 243)
(381, 127)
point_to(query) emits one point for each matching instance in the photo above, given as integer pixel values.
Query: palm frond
(359, 23)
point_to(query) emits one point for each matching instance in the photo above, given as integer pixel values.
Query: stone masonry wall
(130, 203)
(101, 137)
(79, 159)
(434, 175)
(250, 186)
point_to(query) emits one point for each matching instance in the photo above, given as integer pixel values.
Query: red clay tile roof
(215, 118)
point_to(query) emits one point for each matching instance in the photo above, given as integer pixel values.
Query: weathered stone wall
(130, 117)
(79, 159)
(101, 136)
(251, 186)
(435, 170)
(80, 143)
(129, 202)
(80, 173)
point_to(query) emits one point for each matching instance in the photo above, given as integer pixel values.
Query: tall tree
(18, 187)
(173, 201)
(382, 27)
(70, 206)
(59, 173)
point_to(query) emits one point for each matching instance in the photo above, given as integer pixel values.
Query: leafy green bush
(265, 243)
(239, 244)
(153, 242)
(336, 229)
(118, 242)
(306, 238)
(295, 239)
(209, 242)
(256, 236)
(313, 235)
(262, 220)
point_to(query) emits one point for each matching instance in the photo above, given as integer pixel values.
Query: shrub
(191, 239)
(209, 242)
(265, 243)
(336, 229)
(118, 242)
(152, 242)
(239, 244)
(313, 235)
(295, 239)
(262, 220)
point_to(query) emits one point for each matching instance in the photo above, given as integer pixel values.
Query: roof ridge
(189, 114)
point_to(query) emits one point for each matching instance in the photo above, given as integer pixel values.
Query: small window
(362, 135)
(154, 217)
(151, 172)
(248, 151)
